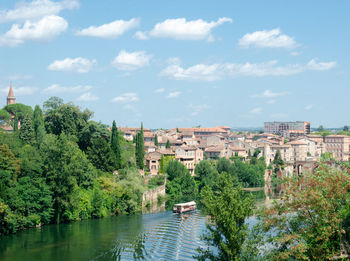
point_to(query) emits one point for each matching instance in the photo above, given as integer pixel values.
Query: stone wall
(150, 200)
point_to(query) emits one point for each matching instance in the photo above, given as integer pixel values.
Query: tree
(167, 145)
(26, 133)
(38, 124)
(140, 149)
(346, 128)
(18, 111)
(115, 145)
(180, 186)
(156, 140)
(101, 155)
(90, 131)
(311, 221)
(67, 118)
(52, 104)
(206, 174)
(4, 115)
(228, 208)
(65, 167)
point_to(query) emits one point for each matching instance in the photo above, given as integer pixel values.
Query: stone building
(338, 145)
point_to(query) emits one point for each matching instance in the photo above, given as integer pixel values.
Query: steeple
(10, 97)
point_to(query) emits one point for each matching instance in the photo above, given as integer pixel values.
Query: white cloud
(88, 96)
(271, 101)
(309, 107)
(111, 30)
(173, 95)
(213, 72)
(279, 116)
(80, 65)
(199, 72)
(159, 90)
(35, 10)
(131, 61)
(196, 109)
(181, 29)
(128, 97)
(141, 35)
(295, 53)
(256, 111)
(56, 88)
(267, 39)
(315, 66)
(270, 94)
(43, 30)
(20, 91)
(173, 61)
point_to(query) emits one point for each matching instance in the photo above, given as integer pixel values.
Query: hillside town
(192, 145)
(294, 141)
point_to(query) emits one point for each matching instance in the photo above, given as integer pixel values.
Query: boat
(184, 207)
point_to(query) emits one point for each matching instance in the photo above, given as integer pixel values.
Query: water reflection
(165, 236)
(158, 236)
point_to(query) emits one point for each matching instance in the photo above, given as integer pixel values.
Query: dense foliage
(311, 221)
(180, 186)
(58, 167)
(228, 208)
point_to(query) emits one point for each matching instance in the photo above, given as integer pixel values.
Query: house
(215, 152)
(152, 162)
(190, 156)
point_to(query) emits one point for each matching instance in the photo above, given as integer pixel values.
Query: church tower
(10, 97)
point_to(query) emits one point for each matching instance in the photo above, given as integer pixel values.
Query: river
(165, 236)
(158, 236)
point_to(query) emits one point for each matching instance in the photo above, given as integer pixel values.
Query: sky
(181, 63)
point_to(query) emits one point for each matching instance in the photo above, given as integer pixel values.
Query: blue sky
(181, 63)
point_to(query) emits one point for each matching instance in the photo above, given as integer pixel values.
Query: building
(338, 145)
(288, 129)
(190, 156)
(11, 99)
(152, 162)
(223, 130)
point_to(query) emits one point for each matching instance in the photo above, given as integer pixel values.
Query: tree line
(58, 167)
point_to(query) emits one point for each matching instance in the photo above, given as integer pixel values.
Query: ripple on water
(174, 237)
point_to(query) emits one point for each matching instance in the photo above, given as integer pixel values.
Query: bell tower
(10, 97)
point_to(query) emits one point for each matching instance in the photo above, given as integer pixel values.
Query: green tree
(180, 186)
(90, 131)
(346, 128)
(26, 133)
(156, 140)
(310, 222)
(228, 208)
(101, 155)
(19, 111)
(168, 145)
(206, 174)
(115, 146)
(65, 167)
(52, 103)
(38, 124)
(67, 118)
(140, 149)
(4, 115)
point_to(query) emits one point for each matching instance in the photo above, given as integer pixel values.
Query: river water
(159, 236)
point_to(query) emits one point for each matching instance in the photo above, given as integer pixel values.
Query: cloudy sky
(181, 63)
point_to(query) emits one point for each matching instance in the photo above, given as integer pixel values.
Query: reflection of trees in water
(139, 247)
(136, 246)
(273, 192)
